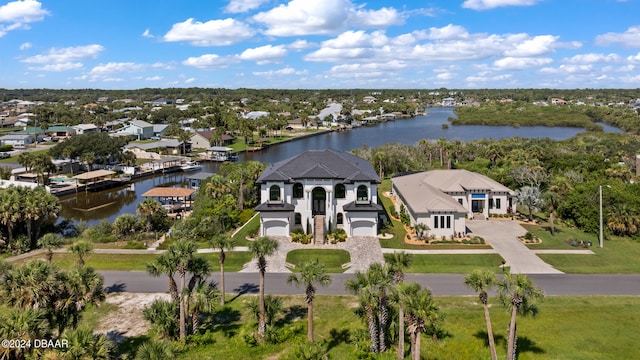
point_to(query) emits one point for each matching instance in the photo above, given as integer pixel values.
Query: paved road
(440, 284)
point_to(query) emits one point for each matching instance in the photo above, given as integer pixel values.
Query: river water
(109, 204)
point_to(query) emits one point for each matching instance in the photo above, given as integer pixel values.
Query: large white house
(318, 191)
(443, 199)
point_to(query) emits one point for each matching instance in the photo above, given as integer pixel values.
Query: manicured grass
(458, 264)
(250, 228)
(558, 241)
(233, 262)
(331, 259)
(566, 328)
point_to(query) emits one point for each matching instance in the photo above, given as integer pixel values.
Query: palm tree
(147, 208)
(401, 295)
(84, 344)
(481, 281)
(182, 252)
(223, 243)
(517, 293)
(20, 324)
(201, 299)
(83, 286)
(164, 265)
(261, 248)
(421, 315)
(9, 210)
(184, 137)
(217, 186)
(155, 350)
(311, 272)
(399, 261)
(163, 316)
(81, 248)
(50, 241)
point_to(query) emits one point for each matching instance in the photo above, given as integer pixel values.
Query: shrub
(340, 235)
(137, 245)
(6, 148)
(528, 236)
(245, 215)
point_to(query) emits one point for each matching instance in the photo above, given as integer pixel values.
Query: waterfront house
(442, 199)
(138, 129)
(449, 101)
(165, 147)
(195, 180)
(202, 139)
(18, 140)
(318, 191)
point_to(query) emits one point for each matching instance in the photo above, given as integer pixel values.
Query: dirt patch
(127, 320)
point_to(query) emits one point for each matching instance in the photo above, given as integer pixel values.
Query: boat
(191, 166)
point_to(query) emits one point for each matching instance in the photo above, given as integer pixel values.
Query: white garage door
(276, 228)
(363, 228)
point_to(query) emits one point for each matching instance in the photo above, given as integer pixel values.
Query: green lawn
(566, 328)
(250, 228)
(331, 259)
(458, 264)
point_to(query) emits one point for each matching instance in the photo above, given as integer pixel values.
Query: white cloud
(593, 58)
(154, 78)
(627, 39)
(488, 78)
(368, 70)
(66, 55)
(322, 17)
(538, 45)
(490, 4)
(300, 44)
(445, 76)
(241, 6)
(57, 67)
(634, 58)
(280, 72)
(189, 80)
(514, 63)
(116, 68)
(25, 46)
(209, 61)
(449, 32)
(568, 69)
(210, 33)
(18, 14)
(147, 34)
(264, 54)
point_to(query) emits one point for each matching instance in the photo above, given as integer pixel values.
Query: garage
(275, 228)
(363, 228)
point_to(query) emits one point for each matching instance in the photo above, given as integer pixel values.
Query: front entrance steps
(478, 216)
(318, 229)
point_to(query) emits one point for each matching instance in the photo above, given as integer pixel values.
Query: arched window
(298, 191)
(297, 219)
(340, 191)
(274, 193)
(340, 219)
(362, 194)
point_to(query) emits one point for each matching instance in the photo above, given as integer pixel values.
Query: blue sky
(319, 44)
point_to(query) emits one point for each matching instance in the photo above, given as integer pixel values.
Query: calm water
(109, 204)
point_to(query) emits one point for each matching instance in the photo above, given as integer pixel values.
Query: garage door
(363, 228)
(276, 228)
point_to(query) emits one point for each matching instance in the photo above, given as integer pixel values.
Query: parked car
(4, 155)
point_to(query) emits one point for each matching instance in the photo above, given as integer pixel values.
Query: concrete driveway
(503, 236)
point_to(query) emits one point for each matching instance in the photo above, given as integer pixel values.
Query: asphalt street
(440, 284)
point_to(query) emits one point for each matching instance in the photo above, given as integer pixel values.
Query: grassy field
(234, 261)
(458, 264)
(566, 328)
(331, 259)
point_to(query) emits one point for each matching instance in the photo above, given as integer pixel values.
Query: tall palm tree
(9, 210)
(518, 294)
(81, 248)
(481, 281)
(399, 261)
(50, 241)
(223, 243)
(401, 295)
(421, 314)
(182, 252)
(311, 272)
(147, 208)
(260, 249)
(164, 265)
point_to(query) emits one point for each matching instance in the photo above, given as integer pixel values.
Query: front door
(477, 206)
(319, 198)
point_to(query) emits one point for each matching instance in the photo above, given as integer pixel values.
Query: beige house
(444, 199)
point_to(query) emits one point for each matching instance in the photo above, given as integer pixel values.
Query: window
(340, 219)
(340, 191)
(274, 193)
(435, 222)
(362, 193)
(490, 203)
(460, 201)
(448, 222)
(498, 204)
(442, 222)
(298, 191)
(297, 219)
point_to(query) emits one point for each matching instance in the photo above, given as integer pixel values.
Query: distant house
(58, 131)
(139, 129)
(449, 101)
(17, 140)
(85, 129)
(167, 147)
(159, 129)
(369, 100)
(196, 179)
(255, 114)
(161, 101)
(202, 139)
(557, 101)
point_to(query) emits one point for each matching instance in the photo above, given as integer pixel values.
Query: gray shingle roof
(321, 164)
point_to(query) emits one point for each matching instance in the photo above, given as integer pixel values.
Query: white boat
(191, 166)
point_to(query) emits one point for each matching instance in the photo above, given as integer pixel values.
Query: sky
(319, 44)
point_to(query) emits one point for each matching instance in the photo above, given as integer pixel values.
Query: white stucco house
(444, 199)
(318, 191)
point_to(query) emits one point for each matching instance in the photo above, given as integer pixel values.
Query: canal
(109, 204)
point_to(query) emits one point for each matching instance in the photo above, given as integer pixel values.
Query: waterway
(109, 204)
